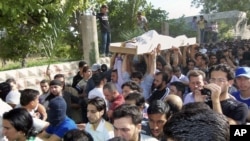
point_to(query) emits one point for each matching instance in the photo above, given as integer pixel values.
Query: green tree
(32, 23)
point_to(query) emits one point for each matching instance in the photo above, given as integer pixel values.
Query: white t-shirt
(96, 92)
(13, 97)
(142, 22)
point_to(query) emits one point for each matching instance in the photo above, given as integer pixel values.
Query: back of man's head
(77, 135)
(127, 110)
(197, 124)
(28, 95)
(159, 107)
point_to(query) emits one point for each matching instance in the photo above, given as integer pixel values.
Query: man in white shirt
(13, 97)
(99, 81)
(142, 21)
(98, 127)
(29, 101)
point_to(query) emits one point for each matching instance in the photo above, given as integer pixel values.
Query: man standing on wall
(105, 30)
(142, 21)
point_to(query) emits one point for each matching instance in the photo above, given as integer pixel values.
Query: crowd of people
(163, 95)
(206, 31)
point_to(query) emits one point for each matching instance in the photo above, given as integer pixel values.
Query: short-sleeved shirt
(62, 128)
(233, 109)
(141, 23)
(104, 22)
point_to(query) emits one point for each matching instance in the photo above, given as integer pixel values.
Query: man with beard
(160, 84)
(127, 123)
(98, 127)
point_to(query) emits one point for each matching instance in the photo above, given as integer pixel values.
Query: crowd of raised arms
(188, 93)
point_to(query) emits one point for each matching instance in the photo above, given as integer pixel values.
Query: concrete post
(165, 28)
(89, 39)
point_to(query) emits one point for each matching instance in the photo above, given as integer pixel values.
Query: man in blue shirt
(242, 75)
(60, 123)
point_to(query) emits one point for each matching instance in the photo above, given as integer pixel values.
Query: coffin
(148, 41)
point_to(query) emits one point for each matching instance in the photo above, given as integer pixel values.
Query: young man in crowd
(113, 97)
(198, 124)
(29, 101)
(242, 80)
(221, 77)
(98, 127)
(127, 123)
(158, 114)
(196, 83)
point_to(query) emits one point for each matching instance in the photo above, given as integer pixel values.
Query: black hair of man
(59, 76)
(197, 124)
(9, 80)
(224, 68)
(137, 97)
(132, 85)
(77, 135)
(98, 77)
(100, 105)
(136, 74)
(159, 107)
(82, 63)
(127, 110)
(28, 95)
(179, 86)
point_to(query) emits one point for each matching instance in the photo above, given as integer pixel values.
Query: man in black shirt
(160, 87)
(105, 30)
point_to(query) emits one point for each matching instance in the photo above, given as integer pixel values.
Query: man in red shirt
(113, 97)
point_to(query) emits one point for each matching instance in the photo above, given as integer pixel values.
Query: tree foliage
(212, 6)
(52, 27)
(123, 18)
(32, 23)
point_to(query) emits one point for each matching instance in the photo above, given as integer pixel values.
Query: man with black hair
(44, 85)
(136, 98)
(79, 76)
(29, 101)
(196, 124)
(142, 21)
(98, 126)
(72, 99)
(178, 88)
(105, 30)
(161, 89)
(129, 87)
(99, 80)
(158, 114)
(13, 97)
(221, 77)
(127, 123)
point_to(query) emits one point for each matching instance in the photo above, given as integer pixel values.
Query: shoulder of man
(147, 138)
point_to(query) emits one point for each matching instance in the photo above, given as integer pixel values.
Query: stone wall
(31, 77)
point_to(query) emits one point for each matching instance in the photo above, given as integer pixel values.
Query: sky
(176, 8)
